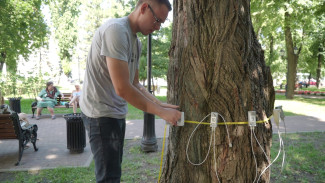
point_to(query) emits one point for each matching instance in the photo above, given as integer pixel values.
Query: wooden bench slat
(8, 133)
(3, 120)
(7, 130)
(6, 125)
(9, 136)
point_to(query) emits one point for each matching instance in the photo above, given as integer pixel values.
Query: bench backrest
(9, 126)
(65, 99)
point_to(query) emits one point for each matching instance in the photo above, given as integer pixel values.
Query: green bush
(14, 85)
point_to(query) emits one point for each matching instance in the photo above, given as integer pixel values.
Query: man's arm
(119, 74)
(146, 93)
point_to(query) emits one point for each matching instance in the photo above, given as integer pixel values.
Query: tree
(22, 29)
(64, 16)
(294, 21)
(299, 25)
(217, 65)
(318, 41)
(266, 25)
(160, 46)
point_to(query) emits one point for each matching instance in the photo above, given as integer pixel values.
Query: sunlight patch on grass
(300, 108)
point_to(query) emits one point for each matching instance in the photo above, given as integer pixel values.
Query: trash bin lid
(72, 116)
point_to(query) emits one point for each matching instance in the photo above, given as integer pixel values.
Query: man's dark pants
(106, 138)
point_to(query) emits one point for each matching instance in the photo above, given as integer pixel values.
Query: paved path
(53, 150)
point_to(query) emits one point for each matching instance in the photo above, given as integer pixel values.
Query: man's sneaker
(37, 118)
(53, 117)
(67, 105)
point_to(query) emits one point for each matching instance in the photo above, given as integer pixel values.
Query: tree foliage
(64, 16)
(305, 20)
(97, 11)
(22, 29)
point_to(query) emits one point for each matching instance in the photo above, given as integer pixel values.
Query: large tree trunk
(217, 65)
(292, 59)
(319, 66)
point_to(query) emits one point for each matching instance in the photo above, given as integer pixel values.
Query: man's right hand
(171, 115)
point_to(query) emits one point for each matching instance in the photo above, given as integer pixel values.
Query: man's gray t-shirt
(113, 39)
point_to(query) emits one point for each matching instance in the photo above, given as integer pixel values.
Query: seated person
(5, 109)
(74, 98)
(47, 98)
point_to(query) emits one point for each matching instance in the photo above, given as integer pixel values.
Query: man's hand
(165, 105)
(170, 115)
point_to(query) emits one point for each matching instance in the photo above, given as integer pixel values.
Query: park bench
(59, 99)
(10, 128)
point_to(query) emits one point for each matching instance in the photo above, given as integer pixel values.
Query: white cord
(188, 159)
(281, 147)
(214, 153)
(253, 153)
(268, 161)
(230, 144)
(285, 138)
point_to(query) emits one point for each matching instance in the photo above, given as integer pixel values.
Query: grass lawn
(133, 113)
(25, 105)
(297, 106)
(301, 106)
(305, 162)
(305, 158)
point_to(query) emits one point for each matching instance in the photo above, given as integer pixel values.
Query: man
(112, 80)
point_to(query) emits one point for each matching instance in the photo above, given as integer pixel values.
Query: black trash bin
(76, 134)
(14, 104)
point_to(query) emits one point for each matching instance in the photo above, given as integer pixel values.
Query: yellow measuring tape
(162, 153)
(228, 123)
(203, 123)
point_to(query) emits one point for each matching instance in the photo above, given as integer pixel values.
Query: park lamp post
(282, 53)
(295, 50)
(149, 141)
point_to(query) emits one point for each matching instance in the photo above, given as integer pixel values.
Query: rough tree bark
(292, 59)
(216, 64)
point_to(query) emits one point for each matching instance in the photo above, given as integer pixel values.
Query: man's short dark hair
(160, 2)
